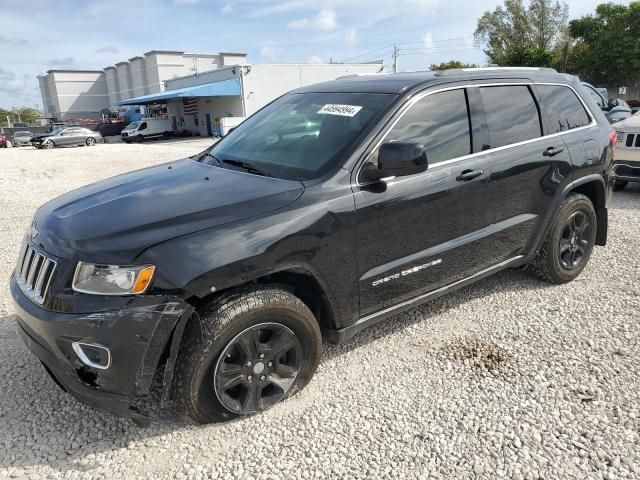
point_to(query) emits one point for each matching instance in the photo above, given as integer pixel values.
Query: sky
(39, 35)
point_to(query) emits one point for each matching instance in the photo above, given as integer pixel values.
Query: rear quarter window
(564, 109)
(512, 114)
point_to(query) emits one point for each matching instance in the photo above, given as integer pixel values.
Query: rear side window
(564, 109)
(440, 122)
(512, 114)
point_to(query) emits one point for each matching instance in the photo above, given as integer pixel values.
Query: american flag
(190, 106)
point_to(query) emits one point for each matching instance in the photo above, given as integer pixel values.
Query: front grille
(34, 272)
(632, 140)
(125, 134)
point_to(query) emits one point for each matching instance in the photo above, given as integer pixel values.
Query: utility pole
(395, 59)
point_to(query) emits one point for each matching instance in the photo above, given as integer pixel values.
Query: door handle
(552, 151)
(467, 175)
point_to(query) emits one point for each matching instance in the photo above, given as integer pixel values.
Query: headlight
(112, 279)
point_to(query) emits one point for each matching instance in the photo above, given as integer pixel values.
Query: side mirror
(398, 159)
(613, 102)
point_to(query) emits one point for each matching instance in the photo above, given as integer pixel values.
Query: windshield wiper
(248, 166)
(212, 156)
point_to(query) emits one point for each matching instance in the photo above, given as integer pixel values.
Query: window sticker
(341, 110)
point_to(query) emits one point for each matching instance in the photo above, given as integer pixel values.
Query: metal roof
(225, 88)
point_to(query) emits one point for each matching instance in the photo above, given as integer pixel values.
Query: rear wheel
(569, 243)
(250, 351)
(90, 141)
(619, 185)
(165, 136)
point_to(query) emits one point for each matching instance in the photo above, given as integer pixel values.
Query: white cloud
(351, 37)
(61, 62)
(428, 41)
(107, 49)
(10, 84)
(280, 7)
(325, 21)
(314, 59)
(268, 54)
(226, 9)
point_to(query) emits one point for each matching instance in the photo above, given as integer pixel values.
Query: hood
(114, 220)
(629, 124)
(44, 135)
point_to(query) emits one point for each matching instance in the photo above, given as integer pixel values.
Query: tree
(516, 35)
(28, 115)
(607, 48)
(3, 117)
(451, 64)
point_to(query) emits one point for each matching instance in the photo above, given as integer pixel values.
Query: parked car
(146, 128)
(67, 136)
(222, 272)
(626, 164)
(22, 138)
(20, 125)
(3, 141)
(615, 109)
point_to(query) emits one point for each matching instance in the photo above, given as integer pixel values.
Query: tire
(90, 141)
(139, 138)
(223, 345)
(165, 136)
(618, 185)
(48, 144)
(552, 266)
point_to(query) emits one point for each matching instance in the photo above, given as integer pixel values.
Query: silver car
(22, 138)
(66, 136)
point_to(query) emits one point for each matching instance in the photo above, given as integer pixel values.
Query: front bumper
(136, 337)
(627, 168)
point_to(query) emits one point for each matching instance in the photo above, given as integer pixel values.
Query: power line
(365, 53)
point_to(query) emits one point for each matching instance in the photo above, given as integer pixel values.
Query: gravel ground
(509, 378)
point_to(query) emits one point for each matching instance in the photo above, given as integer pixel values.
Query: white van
(146, 128)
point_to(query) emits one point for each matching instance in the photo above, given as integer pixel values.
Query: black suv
(333, 207)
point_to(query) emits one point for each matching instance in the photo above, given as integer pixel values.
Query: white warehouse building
(71, 94)
(219, 99)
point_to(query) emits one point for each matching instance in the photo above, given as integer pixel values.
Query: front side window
(511, 113)
(301, 135)
(440, 122)
(143, 126)
(564, 109)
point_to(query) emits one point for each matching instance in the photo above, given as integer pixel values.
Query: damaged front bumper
(136, 337)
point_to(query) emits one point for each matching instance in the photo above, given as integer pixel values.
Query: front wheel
(90, 141)
(250, 351)
(569, 243)
(139, 138)
(49, 144)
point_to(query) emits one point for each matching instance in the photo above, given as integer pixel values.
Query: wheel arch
(300, 281)
(595, 189)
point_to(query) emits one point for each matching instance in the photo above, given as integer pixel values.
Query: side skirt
(346, 333)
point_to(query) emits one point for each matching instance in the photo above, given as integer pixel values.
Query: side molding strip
(339, 336)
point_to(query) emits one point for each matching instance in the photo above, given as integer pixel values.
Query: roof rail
(462, 71)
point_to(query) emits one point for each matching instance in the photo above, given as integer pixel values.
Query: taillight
(613, 138)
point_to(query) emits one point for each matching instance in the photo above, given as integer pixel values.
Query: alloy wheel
(257, 368)
(574, 240)
(91, 141)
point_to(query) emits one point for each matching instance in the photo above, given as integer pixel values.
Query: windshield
(132, 126)
(300, 136)
(57, 131)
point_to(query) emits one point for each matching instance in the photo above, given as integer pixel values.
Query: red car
(3, 141)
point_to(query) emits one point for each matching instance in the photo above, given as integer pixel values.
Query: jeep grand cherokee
(333, 207)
